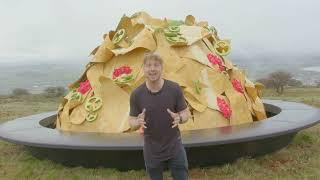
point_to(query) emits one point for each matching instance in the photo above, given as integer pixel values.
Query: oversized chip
(93, 104)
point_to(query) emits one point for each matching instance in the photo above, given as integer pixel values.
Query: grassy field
(300, 160)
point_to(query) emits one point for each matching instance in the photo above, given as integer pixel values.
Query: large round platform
(124, 151)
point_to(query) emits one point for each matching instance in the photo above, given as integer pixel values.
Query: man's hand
(176, 118)
(140, 118)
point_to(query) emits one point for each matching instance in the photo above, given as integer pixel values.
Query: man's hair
(152, 56)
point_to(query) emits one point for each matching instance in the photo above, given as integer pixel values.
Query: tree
(279, 79)
(20, 92)
(266, 82)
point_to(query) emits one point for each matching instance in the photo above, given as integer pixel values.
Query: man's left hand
(176, 118)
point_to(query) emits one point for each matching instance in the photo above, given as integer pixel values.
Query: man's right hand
(141, 117)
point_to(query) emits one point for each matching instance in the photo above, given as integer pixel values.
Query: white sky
(69, 29)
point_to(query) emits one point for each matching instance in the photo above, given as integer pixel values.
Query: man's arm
(133, 122)
(135, 119)
(184, 115)
(136, 122)
(182, 108)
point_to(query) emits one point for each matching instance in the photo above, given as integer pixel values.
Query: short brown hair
(152, 56)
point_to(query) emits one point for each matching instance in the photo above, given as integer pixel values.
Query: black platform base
(197, 156)
(124, 150)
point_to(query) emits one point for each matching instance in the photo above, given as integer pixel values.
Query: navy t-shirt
(161, 141)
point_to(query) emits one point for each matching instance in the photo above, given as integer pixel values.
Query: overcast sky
(68, 30)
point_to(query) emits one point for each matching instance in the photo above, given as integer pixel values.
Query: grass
(299, 160)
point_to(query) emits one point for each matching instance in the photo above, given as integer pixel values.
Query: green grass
(299, 160)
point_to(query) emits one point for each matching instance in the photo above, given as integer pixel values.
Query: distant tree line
(57, 91)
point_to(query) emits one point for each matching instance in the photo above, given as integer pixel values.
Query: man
(158, 106)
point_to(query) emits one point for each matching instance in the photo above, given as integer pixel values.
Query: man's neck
(155, 86)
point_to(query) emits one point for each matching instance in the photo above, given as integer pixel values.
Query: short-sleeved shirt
(161, 141)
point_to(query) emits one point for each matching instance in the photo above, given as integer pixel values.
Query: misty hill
(36, 76)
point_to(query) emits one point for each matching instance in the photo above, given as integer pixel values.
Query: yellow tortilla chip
(202, 23)
(259, 86)
(144, 18)
(143, 40)
(64, 120)
(83, 77)
(103, 53)
(228, 64)
(209, 119)
(251, 89)
(200, 97)
(190, 20)
(193, 33)
(219, 81)
(172, 62)
(114, 113)
(93, 75)
(210, 92)
(240, 111)
(79, 113)
(209, 45)
(133, 59)
(259, 109)
(194, 103)
(93, 52)
(188, 73)
(197, 51)
(131, 30)
(249, 102)
(236, 73)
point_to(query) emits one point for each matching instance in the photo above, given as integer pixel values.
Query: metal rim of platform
(290, 117)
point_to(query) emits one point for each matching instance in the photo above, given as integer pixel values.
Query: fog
(53, 30)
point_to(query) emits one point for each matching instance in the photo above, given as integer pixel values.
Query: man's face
(152, 70)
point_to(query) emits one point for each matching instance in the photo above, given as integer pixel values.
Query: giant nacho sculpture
(217, 92)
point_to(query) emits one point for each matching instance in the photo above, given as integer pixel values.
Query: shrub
(55, 91)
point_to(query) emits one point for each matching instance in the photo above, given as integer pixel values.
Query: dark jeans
(178, 166)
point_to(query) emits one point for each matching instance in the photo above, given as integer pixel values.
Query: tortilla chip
(145, 18)
(190, 20)
(93, 52)
(228, 64)
(78, 114)
(172, 62)
(64, 120)
(142, 40)
(202, 23)
(197, 51)
(259, 109)
(259, 86)
(219, 81)
(93, 75)
(240, 111)
(209, 119)
(103, 53)
(236, 73)
(249, 102)
(114, 113)
(193, 33)
(193, 102)
(251, 89)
